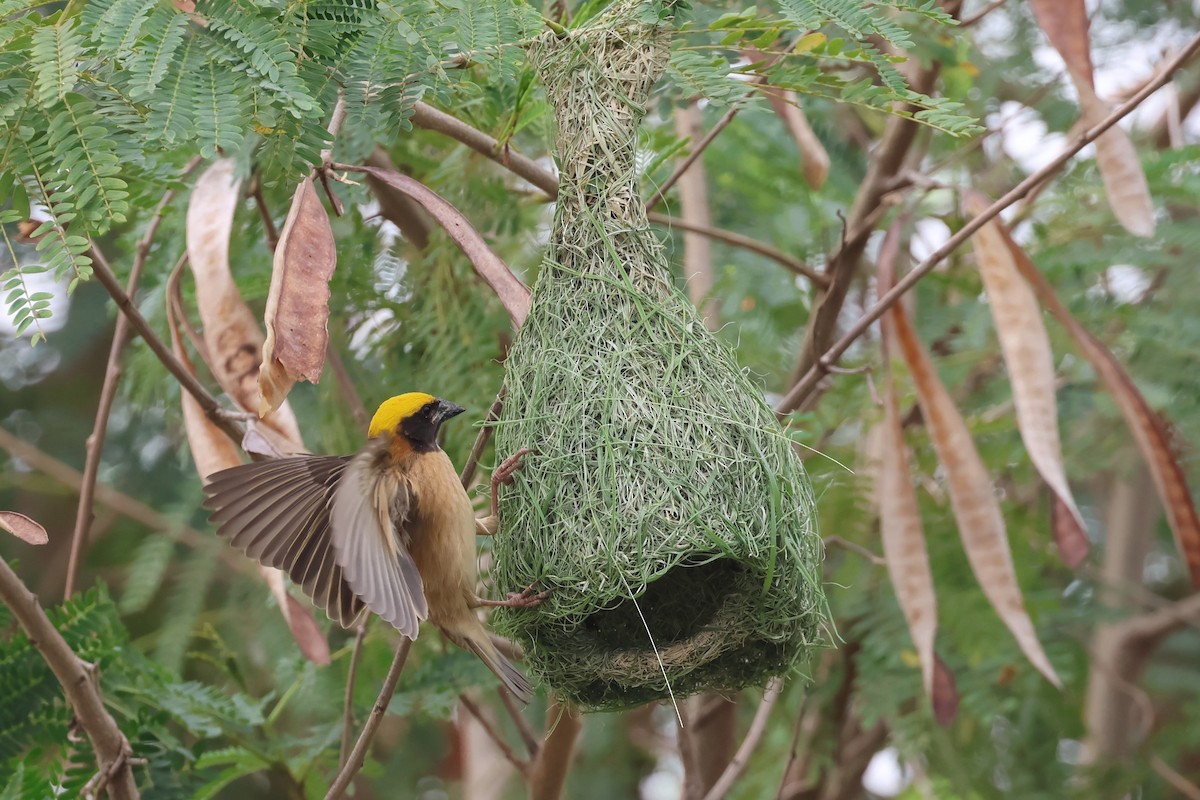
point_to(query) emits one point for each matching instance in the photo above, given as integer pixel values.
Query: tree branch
(358, 755)
(527, 735)
(105, 276)
(1147, 628)
(351, 674)
(757, 728)
(118, 501)
(78, 680)
(794, 265)
(509, 754)
(697, 150)
(548, 774)
(525, 167)
(693, 208)
(431, 119)
(467, 476)
(887, 160)
(112, 374)
(820, 367)
(1186, 788)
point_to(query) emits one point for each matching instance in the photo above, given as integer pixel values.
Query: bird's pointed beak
(446, 410)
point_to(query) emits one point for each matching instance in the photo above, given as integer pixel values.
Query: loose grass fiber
(664, 506)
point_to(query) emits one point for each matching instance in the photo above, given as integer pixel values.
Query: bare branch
(757, 728)
(118, 501)
(264, 213)
(548, 774)
(854, 547)
(108, 392)
(358, 755)
(697, 150)
(429, 118)
(509, 754)
(1142, 630)
(467, 476)
(693, 208)
(78, 679)
(976, 18)
(1177, 782)
(744, 242)
(870, 203)
(821, 367)
(105, 276)
(526, 730)
(360, 634)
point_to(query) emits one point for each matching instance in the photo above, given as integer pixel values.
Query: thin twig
(722, 124)
(108, 392)
(78, 679)
(744, 242)
(757, 728)
(335, 126)
(1177, 781)
(475, 711)
(806, 724)
(871, 201)
(976, 18)
(105, 276)
(467, 476)
(697, 151)
(523, 727)
(116, 500)
(346, 386)
(853, 547)
(358, 755)
(522, 166)
(351, 674)
(819, 369)
(1153, 625)
(264, 214)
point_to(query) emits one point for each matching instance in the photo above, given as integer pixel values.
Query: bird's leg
(526, 598)
(501, 474)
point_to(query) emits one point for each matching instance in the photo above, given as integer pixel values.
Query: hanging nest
(665, 507)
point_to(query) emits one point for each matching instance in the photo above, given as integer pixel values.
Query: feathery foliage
(261, 79)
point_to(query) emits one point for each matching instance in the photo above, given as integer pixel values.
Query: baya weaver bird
(390, 529)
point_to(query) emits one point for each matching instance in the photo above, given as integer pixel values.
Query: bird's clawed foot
(504, 470)
(503, 473)
(528, 597)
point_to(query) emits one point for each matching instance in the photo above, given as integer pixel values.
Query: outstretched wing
(277, 512)
(367, 506)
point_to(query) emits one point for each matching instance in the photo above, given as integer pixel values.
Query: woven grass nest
(664, 506)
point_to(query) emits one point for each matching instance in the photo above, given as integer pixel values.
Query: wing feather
(366, 544)
(277, 512)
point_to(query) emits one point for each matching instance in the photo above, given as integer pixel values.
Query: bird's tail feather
(513, 679)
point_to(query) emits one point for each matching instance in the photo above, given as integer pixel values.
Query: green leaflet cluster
(831, 57)
(120, 93)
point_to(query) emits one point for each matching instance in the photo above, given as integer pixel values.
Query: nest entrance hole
(676, 607)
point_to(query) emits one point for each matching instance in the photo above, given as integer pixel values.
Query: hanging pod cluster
(665, 507)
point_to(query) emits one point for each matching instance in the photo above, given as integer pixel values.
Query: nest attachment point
(665, 507)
